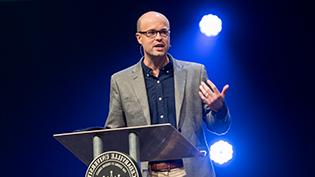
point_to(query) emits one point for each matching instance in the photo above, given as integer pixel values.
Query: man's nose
(158, 35)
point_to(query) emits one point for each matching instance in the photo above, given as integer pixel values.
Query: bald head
(151, 17)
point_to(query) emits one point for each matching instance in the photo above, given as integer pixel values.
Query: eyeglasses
(153, 33)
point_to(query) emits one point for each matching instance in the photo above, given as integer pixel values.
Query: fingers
(203, 98)
(211, 96)
(213, 87)
(224, 90)
(205, 90)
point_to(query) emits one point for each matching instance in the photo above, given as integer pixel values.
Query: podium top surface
(157, 142)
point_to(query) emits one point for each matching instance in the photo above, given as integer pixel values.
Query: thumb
(224, 90)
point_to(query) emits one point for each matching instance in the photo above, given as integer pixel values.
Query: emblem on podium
(113, 164)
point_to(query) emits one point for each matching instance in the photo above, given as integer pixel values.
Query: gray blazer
(129, 107)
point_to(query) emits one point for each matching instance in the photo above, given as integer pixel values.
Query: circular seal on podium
(113, 164)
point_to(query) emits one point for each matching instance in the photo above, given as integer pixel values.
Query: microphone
(140, 49)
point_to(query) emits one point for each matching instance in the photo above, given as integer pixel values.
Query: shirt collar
(168, 68)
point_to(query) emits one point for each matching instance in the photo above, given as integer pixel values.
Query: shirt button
(148, 75)
(167, 71)
(158, 82)
(160, 98)
(161, 116)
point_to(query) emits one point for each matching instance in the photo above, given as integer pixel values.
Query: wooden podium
(142, 143)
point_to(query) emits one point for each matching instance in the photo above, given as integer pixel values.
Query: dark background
(57, 58)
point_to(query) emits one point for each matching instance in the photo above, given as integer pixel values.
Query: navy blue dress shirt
(161, 94)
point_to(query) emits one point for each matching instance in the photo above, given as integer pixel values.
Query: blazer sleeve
(217, 122)
(116, 117)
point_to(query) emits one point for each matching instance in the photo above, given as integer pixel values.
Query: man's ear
(138, 36)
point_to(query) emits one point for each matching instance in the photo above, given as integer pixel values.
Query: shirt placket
(160, 100)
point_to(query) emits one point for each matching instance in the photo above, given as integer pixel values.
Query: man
(162, 89)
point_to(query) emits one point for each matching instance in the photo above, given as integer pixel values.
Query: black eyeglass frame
(153, 33)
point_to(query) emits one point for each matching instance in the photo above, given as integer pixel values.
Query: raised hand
(211, 96)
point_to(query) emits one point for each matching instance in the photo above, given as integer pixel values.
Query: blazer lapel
(179, 86)
(140, 90)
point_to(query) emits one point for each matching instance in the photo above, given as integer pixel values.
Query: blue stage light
(221, 152)
(210, 25)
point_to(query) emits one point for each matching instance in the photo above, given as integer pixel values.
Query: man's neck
(156, 63)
